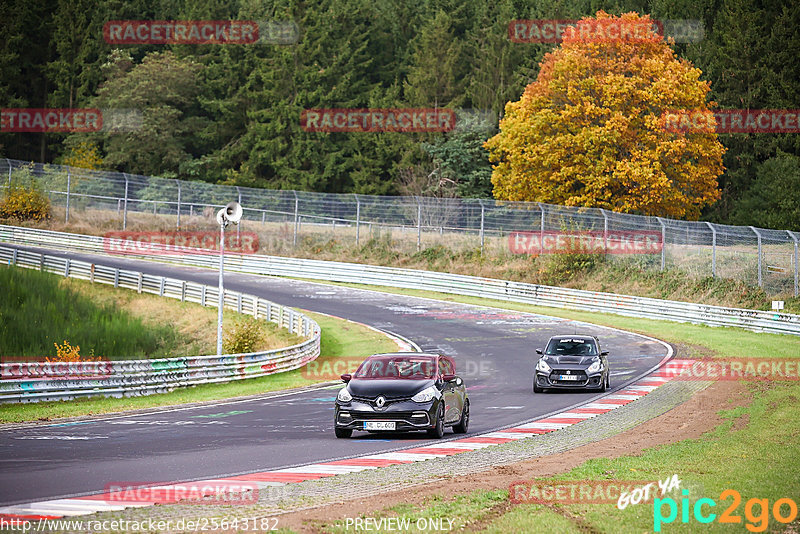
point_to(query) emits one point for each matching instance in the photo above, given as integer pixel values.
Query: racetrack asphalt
(493, 350)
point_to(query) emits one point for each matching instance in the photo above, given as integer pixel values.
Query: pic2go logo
(757, 521)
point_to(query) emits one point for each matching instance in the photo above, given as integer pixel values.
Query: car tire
(438, 430)
(463, 424)
(536, 388)
(608, 381)
(343, 432)
(604, 387)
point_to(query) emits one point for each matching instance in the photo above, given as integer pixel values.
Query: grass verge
(39, 309)
(339, 338)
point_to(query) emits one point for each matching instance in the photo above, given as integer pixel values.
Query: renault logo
(380, 401)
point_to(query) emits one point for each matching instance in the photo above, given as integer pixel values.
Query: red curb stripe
(530, 430)
(26, 518)
(377, 462)
(590, 410)
(282, 477)
(615, 401)
(435, 451)
(478, 439)
(557, 420)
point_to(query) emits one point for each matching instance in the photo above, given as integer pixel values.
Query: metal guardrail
(768, 258)
(40, 381)
(757, 320)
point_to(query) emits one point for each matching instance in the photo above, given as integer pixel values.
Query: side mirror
(604, 353)
(346, 377)
(449, 378)
(538, 351)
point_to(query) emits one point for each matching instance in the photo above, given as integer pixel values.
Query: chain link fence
(764, 257)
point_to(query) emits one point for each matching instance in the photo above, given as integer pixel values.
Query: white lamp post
(232, 213)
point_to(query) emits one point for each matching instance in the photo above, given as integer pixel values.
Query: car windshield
(571, 347)
(413, 367)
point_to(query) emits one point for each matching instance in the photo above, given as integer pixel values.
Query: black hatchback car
(402, 391)
(571, 362)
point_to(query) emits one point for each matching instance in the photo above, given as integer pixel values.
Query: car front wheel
(343, 432)
(438, 430)
(463, 424)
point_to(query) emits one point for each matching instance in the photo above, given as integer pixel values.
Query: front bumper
(555, 379)
(407, 415)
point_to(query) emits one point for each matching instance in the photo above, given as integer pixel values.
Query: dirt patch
(678, 424)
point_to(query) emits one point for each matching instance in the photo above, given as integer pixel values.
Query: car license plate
(378, 425)
(569, 377)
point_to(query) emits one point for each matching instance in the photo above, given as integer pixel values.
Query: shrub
(24, 201)
(245, 336)
(68, 353)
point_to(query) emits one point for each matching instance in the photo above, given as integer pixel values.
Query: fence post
(296, 218)
(239, 226)
(483, 213)
(758, 234)
(713, 249)
(541, 229)
(605, 232)
(69, 178)
(125, 204)
(795, 261)
(9, 170)
(358, 218)
(419, 224)
(663, 244)
(178, 225)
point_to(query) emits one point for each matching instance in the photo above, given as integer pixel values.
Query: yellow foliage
(85, 155)
(24, 203)
(68, 353)
(588, 131)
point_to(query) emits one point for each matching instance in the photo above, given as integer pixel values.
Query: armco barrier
(558, 297)
(38, 381)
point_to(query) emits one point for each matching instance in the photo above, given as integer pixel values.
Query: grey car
(571, 362)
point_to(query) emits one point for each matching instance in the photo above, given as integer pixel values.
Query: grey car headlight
(543, 367)
(426, 395)
(595, 367)
(344, 395)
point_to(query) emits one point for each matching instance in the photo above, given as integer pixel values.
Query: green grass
(339, 338)
(37, 310)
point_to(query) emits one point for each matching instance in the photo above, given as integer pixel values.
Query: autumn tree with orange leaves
(588, 131)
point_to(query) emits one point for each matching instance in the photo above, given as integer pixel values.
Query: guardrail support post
(125, 208)
(419, 224)
(663, 244)
(605, 232)
(116, 277)
(758, 234)
(255, 307)
(203, 295)
(296, 218)
(161, 285)
(69, 179)
(14, 256)
(139, 284)
(713, 249)
(66, 269)
(183, 291)
(178, 224)
(795, 261)
(358, 218)
(483, 214)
